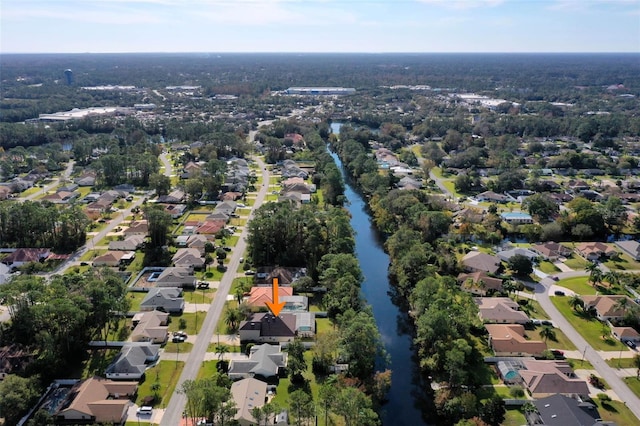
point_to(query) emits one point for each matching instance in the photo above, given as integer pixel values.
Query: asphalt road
(607, 373)
(175, 408)
(55, 182)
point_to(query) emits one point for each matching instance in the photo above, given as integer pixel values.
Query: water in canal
(401, 408)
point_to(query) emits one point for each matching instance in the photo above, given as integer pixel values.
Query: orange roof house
(510, 340)
(260, 295)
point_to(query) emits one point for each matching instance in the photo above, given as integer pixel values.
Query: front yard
(579, 285)
(165, 374)
(589, 327)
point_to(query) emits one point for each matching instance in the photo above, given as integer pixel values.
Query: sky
(376, 26)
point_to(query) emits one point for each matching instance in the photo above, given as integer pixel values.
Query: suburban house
(174, 210)
(266, 328)
(260, 295)
(551, 250)
(626, 334)
(86, 179)
(516, 218)
(22, 256)
(226, 207)
(546, 378)
(191, 170)
(479, 283)
(188, 257)
(631, 247)
(291, 169)
(130, 243)
(478, 261)
(608, 307)
(164, 299)
(285, 275)
(96, 400)
(492, 197)
(137, 227)
(211, 227)
(264, 360)
(114, 258)
(594, 251)
(510, 340)
(500, 310)
(562, 410)
(60, 197)
(248, 394)
(131, 362)
(175, 276)
(150, 327)
(174, 197)
(218, 216)
(505, 255)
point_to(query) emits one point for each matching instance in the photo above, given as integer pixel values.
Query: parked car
(203, 285)
(178, 339)
(558, 293)
(249, 272)
(557, 354)
(145, 410)
(630, 344)
(546, 322)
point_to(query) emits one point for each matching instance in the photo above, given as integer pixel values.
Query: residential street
(607, 373)
(174, 409)
(54, 182)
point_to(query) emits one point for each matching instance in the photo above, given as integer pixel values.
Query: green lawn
(534, 310)
(137, 264)
(273, 180)
(576, 262)
(579, 364)
(548, 267)
(634, 384)
(30, 191)
(166, 373)
(588, 327)
(323, 325)
(562, 342)
(285, 387)
(136, 299)
(579, 285)
(190, 322)
(514, 417)
(199, 296)
(623, 263)
(184, 347)
(211, 274)
(92, 254)
(617, 412)
(621, 362)
(451, 187)
(97, 362)
(230, 348)
(207, 369)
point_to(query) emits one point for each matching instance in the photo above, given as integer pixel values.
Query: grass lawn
(136, 265)
(451, 187)
(514, 417)
(30, 191)
(98, 361)
(207, 369)
(238, 222)
(221, 327)
(136, 299)
(285, 387)
(189, 322)
(166, 373)
(199, 296)
(274, 180)
(578, 285)
(173, 348)
(534, 310)
(120, 331)
(617, 412)
(230, 348)
(106, 240)
(622, 263)
(548, 267)
(588, 327)
(272, 197)
(212, 274)
(576, 262)
(634, 384)
(622, 363)
(232, 240)
(579, 364)
(323, 325)
(92, 254)
(562, 342)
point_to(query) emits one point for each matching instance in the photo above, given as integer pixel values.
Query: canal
(405, 392)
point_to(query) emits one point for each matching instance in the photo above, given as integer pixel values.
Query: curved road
(175, 408)
(607, 373)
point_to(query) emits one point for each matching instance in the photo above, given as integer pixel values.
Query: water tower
(69, 75)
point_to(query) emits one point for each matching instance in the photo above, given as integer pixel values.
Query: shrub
(517, 391)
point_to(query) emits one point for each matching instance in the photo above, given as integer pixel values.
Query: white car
(145, 410)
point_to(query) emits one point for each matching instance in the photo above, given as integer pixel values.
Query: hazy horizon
(320, 26)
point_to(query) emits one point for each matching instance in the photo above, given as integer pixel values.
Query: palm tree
(509, 286)
(232, 318)
(612, 277)
(221, 348)
(622, 304)
(636, 364)
(576, 301)
(547, 333)
(595, 274)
